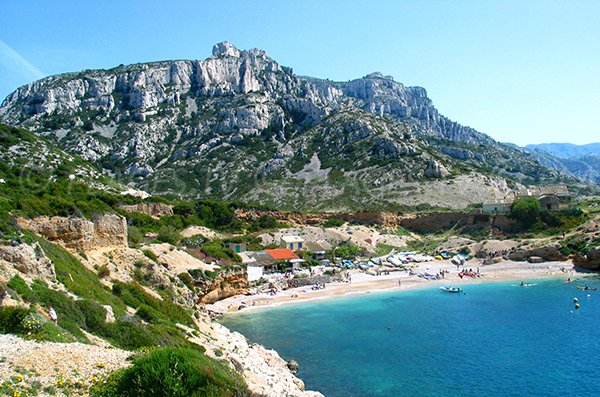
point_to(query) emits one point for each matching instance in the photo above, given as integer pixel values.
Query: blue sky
(520, 71)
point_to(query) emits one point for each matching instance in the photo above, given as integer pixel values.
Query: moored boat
(451, 289)
(586, 288)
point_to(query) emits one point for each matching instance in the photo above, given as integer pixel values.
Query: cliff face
(153, 209)
(240, 126)
(224, 286)
(79, 234)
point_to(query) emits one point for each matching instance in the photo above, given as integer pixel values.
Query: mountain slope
(240, 126)
(582, 161)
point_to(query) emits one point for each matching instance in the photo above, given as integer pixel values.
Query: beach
(363, 283)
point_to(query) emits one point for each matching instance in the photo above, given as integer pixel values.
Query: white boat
(451, 289)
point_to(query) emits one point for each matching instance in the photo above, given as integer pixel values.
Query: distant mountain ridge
(239, 126)
(582, 161)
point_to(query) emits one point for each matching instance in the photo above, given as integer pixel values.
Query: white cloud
(14, 61)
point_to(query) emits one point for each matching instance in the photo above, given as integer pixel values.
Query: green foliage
(194, 241)
(217, 250)
(94, 315)
(173, 372)
(147, 313)
(526, 211)
(168, 234)
(134, 295)
(187, 280)
(333, 222)
(264, 222)
(77, 278)
(150, 255)
(11, 319)
(345, 250)
(20, 287)
(103, 271)
(134, 235)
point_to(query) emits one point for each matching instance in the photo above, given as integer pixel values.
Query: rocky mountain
(239, 126)
(582, 161)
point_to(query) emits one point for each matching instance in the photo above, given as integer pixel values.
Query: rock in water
(293, 366)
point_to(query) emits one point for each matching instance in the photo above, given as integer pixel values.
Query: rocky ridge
(240, 126)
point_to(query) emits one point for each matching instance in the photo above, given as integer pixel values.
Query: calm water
(495, 340)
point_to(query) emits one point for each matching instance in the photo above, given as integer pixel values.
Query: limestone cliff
(224, 286)
(239, 125)
(153, 209)
(80, 234)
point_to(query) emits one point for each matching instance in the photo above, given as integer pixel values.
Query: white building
(295, 243)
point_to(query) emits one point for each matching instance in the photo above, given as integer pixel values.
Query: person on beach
(52, 314)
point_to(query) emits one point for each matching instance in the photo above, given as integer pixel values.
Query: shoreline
(363, 283)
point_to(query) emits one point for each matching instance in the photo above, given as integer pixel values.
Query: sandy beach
(401, 280)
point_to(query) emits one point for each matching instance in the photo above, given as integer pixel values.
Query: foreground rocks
(265, 372)
(66, 368)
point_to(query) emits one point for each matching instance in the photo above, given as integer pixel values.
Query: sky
(520, 71)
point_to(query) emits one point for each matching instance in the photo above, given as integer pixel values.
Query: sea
(495, 339)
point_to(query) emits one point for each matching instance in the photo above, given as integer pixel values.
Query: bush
(174, 372)
(150, 255)
(134, 235)
(11, 319)
(526, 211)
(94, 314)
(333, 222)
(18, 285)
(168, 234)
(147, 313)
(187, 280)
(103, 271)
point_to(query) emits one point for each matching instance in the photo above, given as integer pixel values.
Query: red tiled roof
(281, 254)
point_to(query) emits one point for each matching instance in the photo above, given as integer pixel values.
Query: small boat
(586, 288)
(451, 289)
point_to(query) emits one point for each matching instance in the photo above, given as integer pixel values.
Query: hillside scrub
(174, 372)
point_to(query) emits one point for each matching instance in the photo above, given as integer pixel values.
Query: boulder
(535, 259)
(435, 170)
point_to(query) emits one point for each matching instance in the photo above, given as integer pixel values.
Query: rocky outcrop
(591, 260)
(224, 286)
(265, 372)
(435, 170)
(153, 209)
(80, 234)
(27, 259)
(548, 251)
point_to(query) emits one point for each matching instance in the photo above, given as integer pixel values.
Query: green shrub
(134, 295)
(526, 211)
(93, 313)
(187, 280)
(333, 222)
(174, 372)
(11, 319)
(77, 278)
(19, 285)
(103, 271)
(147, 313)
(150, 255)
(168, 234)
(134, 235)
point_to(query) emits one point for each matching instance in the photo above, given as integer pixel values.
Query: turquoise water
(495, 340)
